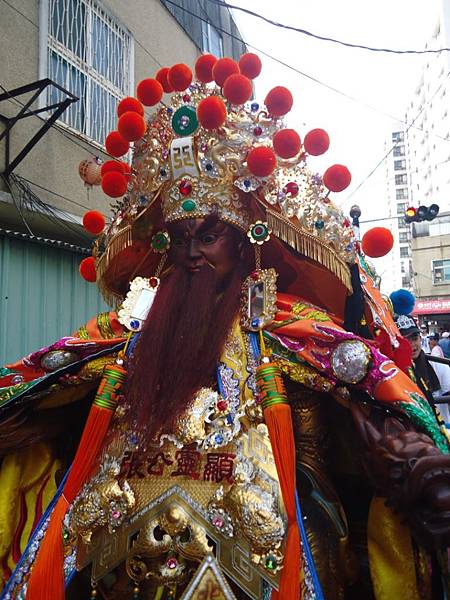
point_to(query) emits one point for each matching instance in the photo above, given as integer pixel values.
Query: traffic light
(423, 213)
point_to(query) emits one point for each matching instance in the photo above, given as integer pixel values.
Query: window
(398, 136)
(401, 193)
(89, 54)
(399, 165)
(441, 271)
(211, 40)
(406, 282)
(404, 251)
(402, 224)
(403, 236)
(401, 207)
(399, 150)
(401, 179)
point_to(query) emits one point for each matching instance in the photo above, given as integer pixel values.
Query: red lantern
(90, 171)
(130, 104)
(286, 143)
(116, 145)
(337, 178)
(114, 184)
(149, 91)
(377, 242)
(316, 142)
(211, 112)
(87, 269)
(223, 68)
(161, 76)
(204, 67)
(131, 126)
(237, 89)
(279, 101)
(261, 161)
(250, 65)
(94, 222)
(180, 77)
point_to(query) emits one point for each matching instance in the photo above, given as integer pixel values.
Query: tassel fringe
(309, 245)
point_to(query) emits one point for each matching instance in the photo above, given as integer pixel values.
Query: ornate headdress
(211, 150)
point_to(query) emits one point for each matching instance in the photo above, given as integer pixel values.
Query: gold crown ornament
(210, 149)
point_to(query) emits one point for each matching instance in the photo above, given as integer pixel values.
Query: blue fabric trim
(132, 344)
(254, 344)
(43, 519)
(318, 594)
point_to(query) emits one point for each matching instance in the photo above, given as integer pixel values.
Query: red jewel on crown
(185, 187)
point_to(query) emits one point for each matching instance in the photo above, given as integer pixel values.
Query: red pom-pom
(161, 76)
(237, 89)
(94, 222)
(287, 143)
(211, 112)
(126, 169)
(114, 184)
(116, 145)
(316, 142)
(115, 165)
(180, 77)
(130, 104)
(149, 91)
(223, 68)
(131, 126)
(87, 269)
(250, 65)
(204, 67)
(279, 101)
(337, 178)
(261, 161)
(377, 242)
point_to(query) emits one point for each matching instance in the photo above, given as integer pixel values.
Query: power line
(396, 144)
(302, 74)
(325, 38)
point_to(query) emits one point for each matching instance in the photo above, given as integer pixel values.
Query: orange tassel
(278, 418)
(47, 578)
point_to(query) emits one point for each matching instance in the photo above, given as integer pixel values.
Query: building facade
(428, 119)
(431, 260)
(97, 50)
(397, 193)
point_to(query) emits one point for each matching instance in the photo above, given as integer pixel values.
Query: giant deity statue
(244, 424)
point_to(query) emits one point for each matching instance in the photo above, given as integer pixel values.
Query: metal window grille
(88, 53)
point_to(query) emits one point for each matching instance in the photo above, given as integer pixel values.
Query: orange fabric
(299, 321)
(278, 419)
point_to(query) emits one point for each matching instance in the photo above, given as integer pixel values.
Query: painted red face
(197, 242)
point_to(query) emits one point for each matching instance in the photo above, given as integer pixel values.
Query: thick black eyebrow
(207, 224)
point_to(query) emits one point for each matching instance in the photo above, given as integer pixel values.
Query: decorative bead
(254, 106)
(172, 563)
(160, 242)
(204, 147)
(134, 324)
(185, 188)
(185, 121)
(255, 323)
(186, 98)
(255, 275)
(154, 282)
(222, 405)
(247, 183)
(319, 224)
(218, 522)
(188, 205)
(116, 514)
(163, 172)
(291, 188)
(230, 418)
(219, 438)
(257, 131)
(271, 563)
(93, 594)
(143, 200)
(17, 379)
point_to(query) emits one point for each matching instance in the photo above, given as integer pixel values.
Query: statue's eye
(209, 238)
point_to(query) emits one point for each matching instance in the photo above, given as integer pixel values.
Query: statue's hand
(411, 472)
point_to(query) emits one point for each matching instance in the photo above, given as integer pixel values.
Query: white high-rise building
(397, 191)
(428, 123)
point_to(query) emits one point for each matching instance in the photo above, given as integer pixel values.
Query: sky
(380, 83)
